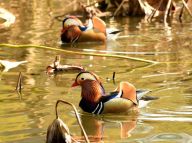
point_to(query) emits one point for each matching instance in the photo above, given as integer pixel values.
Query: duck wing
(99, 24)
(113, 103)
(110, 96)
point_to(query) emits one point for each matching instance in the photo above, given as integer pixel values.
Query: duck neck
(92, 91)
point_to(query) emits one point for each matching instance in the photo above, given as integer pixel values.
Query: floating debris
(56, 67)
(5, 65)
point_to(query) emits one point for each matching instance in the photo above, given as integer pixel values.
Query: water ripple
(170, 119)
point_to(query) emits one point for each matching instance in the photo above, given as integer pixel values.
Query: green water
(25, 118)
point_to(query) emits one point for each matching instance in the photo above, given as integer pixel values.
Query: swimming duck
(95, 100)
(95, 30)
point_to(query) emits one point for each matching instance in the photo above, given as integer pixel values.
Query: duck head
(91, 87)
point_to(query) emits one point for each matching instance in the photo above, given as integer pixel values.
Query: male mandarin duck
(94, 99)
(95, 30)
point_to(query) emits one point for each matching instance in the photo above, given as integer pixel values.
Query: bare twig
(181, 13)
(186, 6)
(167, 11)
(76, 114)
(119, 7)
(19, 86)
(154, 11)
(57, 61)
(19, 83)
(113, 77)
(79, 53)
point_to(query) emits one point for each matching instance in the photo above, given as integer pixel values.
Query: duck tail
(115, 32)
(148, 98)
(141, 95)
(112, 33)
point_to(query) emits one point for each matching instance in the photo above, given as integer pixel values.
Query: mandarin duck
(95, 100)
(95, 30)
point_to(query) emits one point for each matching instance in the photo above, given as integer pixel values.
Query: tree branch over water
(80, 53)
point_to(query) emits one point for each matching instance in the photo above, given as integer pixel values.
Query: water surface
(24, 119)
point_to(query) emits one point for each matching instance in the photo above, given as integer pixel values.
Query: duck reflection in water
(96, 127)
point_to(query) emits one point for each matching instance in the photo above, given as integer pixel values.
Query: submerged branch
(19, 85)
(80, 53)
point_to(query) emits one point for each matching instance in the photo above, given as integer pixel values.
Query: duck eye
(82, 78)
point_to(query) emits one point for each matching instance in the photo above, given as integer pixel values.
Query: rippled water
(25, 118)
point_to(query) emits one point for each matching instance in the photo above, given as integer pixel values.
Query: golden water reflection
(26, 120)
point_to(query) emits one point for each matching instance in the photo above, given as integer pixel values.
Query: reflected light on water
(25, 120)
(168, 137)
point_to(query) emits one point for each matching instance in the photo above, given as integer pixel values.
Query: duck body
(107, 104)
(95, 100)
(94, 31)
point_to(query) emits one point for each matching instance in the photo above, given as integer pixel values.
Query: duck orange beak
(74, 84)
